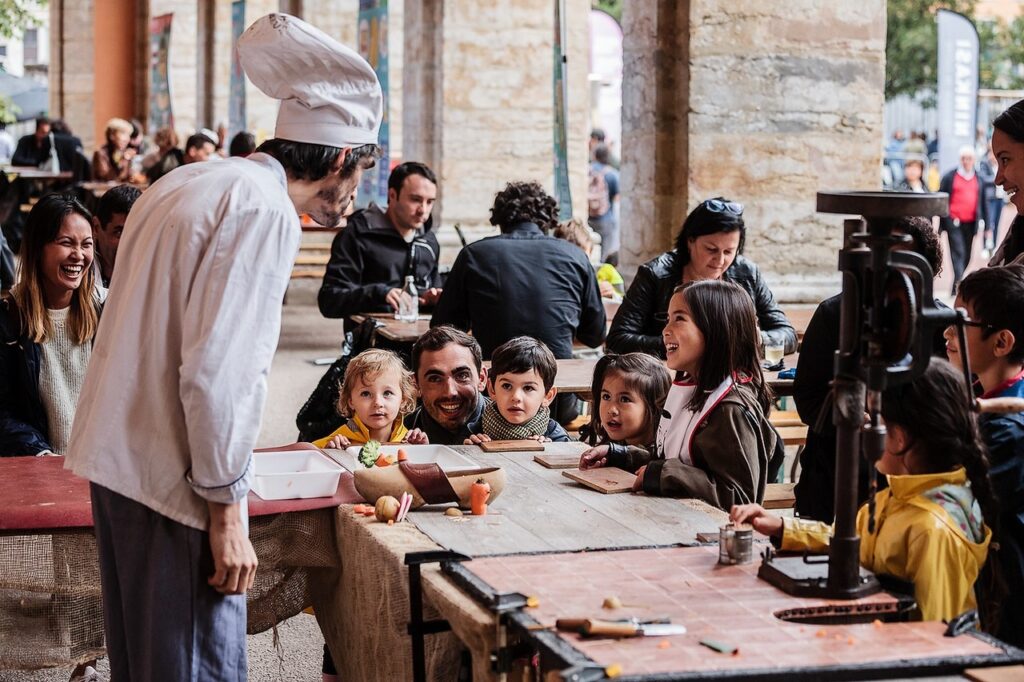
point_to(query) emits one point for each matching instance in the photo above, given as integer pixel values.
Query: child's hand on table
(638, 482)
(539, 438)
(339, 442)
(594, 458)
(756, 515)
(476, 439)
(417, 437)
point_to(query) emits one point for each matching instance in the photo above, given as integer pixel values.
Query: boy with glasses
(994, 301)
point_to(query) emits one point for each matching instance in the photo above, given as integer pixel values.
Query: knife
(607, 628)
(576, 624)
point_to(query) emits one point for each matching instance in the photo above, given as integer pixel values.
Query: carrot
(382, 461)
(478, 494)
(402, 455)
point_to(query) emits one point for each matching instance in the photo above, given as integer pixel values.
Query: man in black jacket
(523, 282)
(372, 256)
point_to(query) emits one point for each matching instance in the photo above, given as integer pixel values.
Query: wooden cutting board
(513, 446)
(603, 480)
(552, 460)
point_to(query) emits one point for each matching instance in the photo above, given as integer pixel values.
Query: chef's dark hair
(1011, 121)
(307, 161)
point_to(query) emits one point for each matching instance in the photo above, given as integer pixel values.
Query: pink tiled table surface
(725, 603)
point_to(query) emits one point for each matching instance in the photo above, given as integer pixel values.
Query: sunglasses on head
(723, 206)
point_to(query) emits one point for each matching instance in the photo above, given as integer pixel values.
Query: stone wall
(795, 110)
(479, 99)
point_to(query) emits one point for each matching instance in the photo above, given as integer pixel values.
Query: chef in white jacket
(175, 390)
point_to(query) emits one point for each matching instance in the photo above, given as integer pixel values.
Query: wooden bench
(779, 496)
(311, 265)
(793, 435)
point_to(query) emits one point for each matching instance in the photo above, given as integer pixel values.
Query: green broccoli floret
(369, 453)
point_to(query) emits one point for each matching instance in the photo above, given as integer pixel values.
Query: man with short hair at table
(175, 391)
(378, 249)
(448, 368)
(34, 149)
(108, 224)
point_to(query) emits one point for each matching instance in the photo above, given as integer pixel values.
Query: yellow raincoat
(922, 534)
(357, 433)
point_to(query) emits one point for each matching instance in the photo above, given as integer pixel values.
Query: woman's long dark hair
(644, 374)
(724, 314)
(703, 220)
(933, 411)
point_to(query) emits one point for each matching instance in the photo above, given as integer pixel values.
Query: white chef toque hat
(329, 94)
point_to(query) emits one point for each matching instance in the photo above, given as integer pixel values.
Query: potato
(386, 508)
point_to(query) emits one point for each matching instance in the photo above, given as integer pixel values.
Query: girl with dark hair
(709, 246)
(1008, 150)
(714, 441)
(630, 391)
(47, 326)
(930, 523)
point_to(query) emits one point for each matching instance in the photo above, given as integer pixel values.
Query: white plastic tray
(294, 475)
(449, 459)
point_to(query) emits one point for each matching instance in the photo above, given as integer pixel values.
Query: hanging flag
(957, 88)
(236, 92)
(373, 46)
(160, 113)
(561, 99)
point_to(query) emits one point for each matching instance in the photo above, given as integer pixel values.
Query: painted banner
(957, 88)
(236, 93)
(160, 114)
(563, 192)
(373, 46)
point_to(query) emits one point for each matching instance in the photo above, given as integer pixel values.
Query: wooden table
(33, 173)
(397, 331)
(99, 188)
(363, 607)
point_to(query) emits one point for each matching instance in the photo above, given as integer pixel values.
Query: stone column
(760, 103)
(478, 103)
(72, 71)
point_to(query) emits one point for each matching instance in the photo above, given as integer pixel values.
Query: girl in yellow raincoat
(930, 522)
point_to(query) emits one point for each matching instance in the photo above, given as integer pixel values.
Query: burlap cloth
(363, 609)
(50, 609)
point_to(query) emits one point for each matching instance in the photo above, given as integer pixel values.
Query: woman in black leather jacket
(708, 247)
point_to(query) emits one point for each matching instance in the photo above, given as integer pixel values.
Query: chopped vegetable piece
(614, 670)
(720, 647)
(369, 452)
(611, 602)
(402, 455)
(453, 511)
(664, 644)
(532, 602)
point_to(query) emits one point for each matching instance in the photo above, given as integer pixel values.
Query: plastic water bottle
(409, 302)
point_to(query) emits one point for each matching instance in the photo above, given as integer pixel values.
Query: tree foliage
(1002, 54)
(911, 43)
(17, 15)
(612, 7)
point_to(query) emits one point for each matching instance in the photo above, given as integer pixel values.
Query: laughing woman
(1008, 148)
(47, 326)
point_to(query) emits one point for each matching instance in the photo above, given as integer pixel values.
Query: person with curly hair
(523, 282)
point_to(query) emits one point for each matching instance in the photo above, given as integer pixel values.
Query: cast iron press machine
(888, 321)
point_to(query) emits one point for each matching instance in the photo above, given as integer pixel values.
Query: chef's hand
(430, 296)
(638, 482)
(394, 298)
(417, 437)
(339, 442)
(476, 439)
(594, 458)
(234, 559)
(756, 515)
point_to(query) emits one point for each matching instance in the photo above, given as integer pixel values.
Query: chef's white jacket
(175, 390)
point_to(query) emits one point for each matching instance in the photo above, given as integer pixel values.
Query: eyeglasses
(968, 322)
(723, 206)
